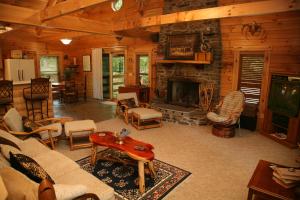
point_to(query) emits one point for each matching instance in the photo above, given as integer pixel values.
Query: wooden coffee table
(262, 185)
(108, 139)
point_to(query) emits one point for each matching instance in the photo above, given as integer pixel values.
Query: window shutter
(251, 76)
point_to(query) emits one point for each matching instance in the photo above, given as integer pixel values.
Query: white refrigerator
(19, 70)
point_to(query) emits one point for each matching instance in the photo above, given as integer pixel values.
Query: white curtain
(97, 73)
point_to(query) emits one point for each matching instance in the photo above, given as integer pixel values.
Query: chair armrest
(46, 192)
(54, 120)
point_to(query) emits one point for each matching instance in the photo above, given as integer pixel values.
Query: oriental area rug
(124, 178)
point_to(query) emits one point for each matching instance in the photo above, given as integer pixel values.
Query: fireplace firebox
(183, 92)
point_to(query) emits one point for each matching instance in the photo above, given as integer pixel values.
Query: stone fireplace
(169, 88)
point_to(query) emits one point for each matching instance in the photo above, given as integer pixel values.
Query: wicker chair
(6, 94)
(37, 92)
(230, 110)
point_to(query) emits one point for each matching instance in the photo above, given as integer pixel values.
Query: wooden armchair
(46, 130)
(230, 110)
(126, 102)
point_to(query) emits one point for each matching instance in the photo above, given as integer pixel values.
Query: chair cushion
(44, 134)
(13, 120)
(29, 167)
(78, 125)
(146, 113)
(217, 118)
(36, 97)
(5, 149)
(18, 186)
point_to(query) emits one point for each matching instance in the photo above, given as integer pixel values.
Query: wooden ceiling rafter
(26, 16)
(67, 7)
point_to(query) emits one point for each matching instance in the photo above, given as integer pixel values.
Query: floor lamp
(86, 68)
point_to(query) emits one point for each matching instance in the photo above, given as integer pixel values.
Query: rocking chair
(230, 110)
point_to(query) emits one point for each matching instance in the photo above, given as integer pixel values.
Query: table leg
(141, 165)
(250, 194)
(94, 154)
(151, 167)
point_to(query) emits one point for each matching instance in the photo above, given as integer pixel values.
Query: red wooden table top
(109, 140)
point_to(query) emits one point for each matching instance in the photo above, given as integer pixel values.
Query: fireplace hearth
(183, 92)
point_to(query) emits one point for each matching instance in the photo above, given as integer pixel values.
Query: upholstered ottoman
(79, 128)
(143, 118)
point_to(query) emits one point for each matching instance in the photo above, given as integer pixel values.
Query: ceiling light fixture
(4, 29)
(66, 41)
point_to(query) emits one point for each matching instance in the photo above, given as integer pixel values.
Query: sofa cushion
(18, 186)
(5, 141)
(63, 192)
(3, 190)
(94, 185)
(13, 120)
(32, 147)
(29, 167)
(56, 164)
(10, 137)
(3, 162)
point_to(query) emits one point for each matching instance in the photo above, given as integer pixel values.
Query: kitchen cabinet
(19, 69)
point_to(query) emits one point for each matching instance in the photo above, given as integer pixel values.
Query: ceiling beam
(236, 10)
(26, 16)
(67, 7)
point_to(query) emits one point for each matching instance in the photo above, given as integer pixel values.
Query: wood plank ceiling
(48, 20)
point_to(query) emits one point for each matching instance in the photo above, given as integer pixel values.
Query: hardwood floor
(91, 109)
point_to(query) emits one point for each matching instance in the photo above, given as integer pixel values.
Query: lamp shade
(66, 41)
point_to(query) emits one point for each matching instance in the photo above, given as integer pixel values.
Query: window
(251, 71)
(143, 69)
(49, 68)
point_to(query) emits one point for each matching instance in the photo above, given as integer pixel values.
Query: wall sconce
(66, 41)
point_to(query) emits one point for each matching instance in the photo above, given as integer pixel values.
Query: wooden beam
(236, 10)
(51, 3)
(67, 7)
(26, 16)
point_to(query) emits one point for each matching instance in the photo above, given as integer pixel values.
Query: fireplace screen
(183, 93)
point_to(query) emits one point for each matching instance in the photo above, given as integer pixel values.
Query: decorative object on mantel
(16, 54)
(182, 46)
(206, 93)
(66, 41)
(4, 28)
(253, 30)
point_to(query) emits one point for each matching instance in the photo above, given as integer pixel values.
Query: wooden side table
(262, 185)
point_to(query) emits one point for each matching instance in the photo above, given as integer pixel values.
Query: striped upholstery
(230, 110)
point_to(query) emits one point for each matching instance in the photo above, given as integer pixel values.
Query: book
(287, 179)
(280, 182)
(290, 172)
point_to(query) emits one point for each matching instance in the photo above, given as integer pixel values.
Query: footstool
(143, 118)
(79, 128)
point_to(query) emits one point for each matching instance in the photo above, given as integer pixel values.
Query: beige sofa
(61, 169)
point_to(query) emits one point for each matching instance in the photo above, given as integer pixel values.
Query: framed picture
(182, 47)
(86, 62)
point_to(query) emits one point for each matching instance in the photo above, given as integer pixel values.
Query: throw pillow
(63, 192)
(130, 103)
(29, 125)
(5, 149)
(8, 142)
(29, 167)
(18, 186)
